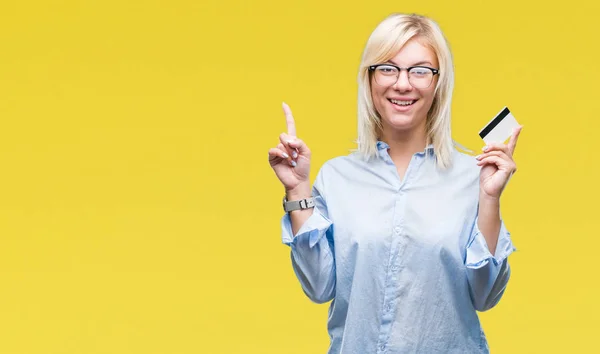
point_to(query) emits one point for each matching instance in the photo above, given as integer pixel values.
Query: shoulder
(335, 166)
(345, 164)
(464, 159)
(338, 169)
(464, 164)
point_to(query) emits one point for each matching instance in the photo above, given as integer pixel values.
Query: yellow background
(138, 213)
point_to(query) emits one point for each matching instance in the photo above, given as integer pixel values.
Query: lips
(402, 103)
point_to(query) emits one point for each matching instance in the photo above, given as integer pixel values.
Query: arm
(487, 265)
(489, 220)
(308, 233)
(299, 217)
(489, 243)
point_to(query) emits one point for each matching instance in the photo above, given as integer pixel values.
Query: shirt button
(397, 229)
(395, 268)
(388, 307)
(382, 347)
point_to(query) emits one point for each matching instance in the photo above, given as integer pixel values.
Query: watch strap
(298, 204)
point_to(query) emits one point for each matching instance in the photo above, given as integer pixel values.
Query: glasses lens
(420, 77)
(386, 75)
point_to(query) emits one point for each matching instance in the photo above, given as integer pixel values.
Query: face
(401, 106)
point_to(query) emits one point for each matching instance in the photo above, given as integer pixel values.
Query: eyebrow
(415, 64)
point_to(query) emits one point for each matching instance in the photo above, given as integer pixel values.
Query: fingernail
(293, 163)
(485, 148)
(285, 155)
(294, 154)
(291, 141)
(478, 157)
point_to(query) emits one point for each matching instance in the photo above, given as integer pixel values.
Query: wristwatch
(298, 204)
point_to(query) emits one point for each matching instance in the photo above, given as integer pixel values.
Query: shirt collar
(382, 145)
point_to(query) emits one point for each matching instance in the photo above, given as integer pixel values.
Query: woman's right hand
(291, 159)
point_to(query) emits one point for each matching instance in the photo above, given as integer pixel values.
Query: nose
(402, 84)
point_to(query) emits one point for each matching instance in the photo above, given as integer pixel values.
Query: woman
(404, 234)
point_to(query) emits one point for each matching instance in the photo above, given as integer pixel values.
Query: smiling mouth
(402, 103)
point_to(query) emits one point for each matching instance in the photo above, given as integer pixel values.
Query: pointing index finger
(289, 119)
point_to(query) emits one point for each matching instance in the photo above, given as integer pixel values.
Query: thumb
(298, 144)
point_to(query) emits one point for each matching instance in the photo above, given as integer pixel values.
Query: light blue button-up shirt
(403, 260)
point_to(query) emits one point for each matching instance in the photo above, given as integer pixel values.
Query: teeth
(402, 103)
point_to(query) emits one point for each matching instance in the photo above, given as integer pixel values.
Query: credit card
(500, 128)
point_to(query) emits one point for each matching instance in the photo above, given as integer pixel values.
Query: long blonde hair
(384, 43)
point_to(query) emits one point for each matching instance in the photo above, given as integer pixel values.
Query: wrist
(301, 191)
(489, 206)
(489, 199)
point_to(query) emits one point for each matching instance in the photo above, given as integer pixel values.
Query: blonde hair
(384, 43)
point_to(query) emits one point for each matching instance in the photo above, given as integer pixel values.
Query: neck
(404, 144)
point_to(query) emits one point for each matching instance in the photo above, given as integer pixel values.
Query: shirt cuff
(478, 254)
(314, 228)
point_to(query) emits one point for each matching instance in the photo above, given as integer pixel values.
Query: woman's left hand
(498, 166)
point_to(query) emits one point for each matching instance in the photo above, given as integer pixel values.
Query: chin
(408, 119)
(399, 120)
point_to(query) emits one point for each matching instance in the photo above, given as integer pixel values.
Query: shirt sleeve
(488, 274)
(312, 252)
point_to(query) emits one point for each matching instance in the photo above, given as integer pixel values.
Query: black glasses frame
(373, 67)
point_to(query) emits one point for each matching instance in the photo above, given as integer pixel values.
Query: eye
(387, 70)
(421, 71)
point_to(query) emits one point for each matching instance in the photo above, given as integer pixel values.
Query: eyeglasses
(419, 77)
